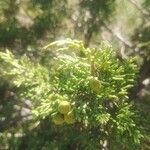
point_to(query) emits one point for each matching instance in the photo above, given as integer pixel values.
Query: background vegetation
(28, 25)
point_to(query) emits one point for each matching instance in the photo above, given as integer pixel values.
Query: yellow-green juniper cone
(64, 107)
(69, 118)
(95, 84)
(58, 119)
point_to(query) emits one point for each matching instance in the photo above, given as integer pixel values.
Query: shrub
(80, 93)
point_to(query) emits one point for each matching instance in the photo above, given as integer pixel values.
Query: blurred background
(28, 25)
